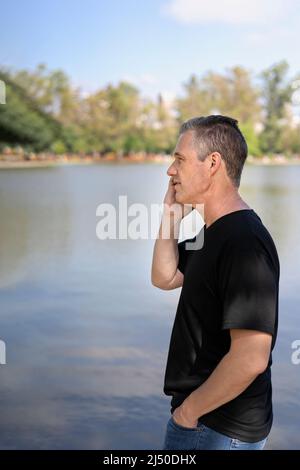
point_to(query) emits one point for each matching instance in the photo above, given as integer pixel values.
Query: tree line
(44, 112)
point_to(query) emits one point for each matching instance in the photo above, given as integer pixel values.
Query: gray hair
(216, 133)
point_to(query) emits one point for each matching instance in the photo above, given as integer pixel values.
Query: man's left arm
(247, 358)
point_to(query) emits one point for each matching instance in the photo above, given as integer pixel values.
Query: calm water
(86, 333)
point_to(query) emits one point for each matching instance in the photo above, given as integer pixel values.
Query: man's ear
(215, 159)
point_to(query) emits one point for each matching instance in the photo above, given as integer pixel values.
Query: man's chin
(184, 202)
(180, 198)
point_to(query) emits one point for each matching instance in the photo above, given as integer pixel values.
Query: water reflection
(86, 333)
(35, 216)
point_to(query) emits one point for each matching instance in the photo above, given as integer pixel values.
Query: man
(218, 366)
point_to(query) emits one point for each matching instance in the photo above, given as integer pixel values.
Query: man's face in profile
(190, 175)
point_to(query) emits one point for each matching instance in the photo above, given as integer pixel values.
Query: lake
(86, 333)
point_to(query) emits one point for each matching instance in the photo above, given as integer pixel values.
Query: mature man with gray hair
(218, 370)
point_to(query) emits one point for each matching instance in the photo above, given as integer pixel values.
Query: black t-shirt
(231, 282)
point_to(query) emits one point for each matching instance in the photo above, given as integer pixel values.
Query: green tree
(52, 92)
(22, 122)
(276, 94)
(252, 139)
(110, 116)
(232, 94)
(196, 100)
(58, 147)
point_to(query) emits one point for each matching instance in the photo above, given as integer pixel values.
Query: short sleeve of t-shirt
(248, 282)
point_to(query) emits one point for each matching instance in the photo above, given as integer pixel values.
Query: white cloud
(237, 12)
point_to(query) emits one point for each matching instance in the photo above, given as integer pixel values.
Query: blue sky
(155, 44)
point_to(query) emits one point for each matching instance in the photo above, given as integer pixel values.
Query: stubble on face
(191, 173)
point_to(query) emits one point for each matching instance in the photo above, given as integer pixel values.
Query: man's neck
(214, 208)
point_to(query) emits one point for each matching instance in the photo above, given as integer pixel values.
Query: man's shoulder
(250, 237)
(247, 227)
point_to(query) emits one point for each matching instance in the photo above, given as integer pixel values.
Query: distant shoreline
(14, 163)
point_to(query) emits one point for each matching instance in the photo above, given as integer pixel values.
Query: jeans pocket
(182, 428)
(179, 437)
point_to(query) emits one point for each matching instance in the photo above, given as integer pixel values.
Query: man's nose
(171, 170)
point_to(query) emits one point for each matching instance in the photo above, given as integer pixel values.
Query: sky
(154, 44)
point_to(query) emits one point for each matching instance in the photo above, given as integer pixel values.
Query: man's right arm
(164, 273)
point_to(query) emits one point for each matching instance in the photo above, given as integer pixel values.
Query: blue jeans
(203, 438)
